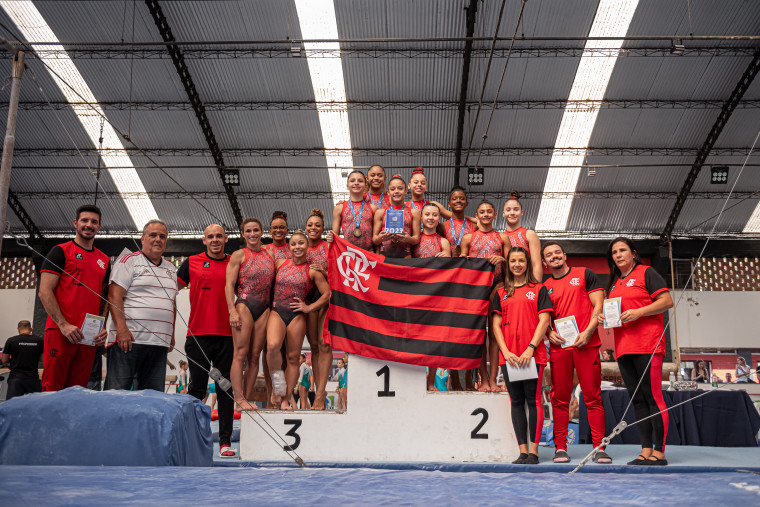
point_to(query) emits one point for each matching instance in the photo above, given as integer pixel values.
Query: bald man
(209, 326)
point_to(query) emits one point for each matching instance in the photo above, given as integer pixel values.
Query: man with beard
(73, 280)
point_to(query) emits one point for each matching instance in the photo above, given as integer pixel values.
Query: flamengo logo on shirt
(630, 282)
(575, 282)
(350, 273)
(531, 295)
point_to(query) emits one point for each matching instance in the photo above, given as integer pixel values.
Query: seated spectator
(608, 356)
(728, 378)
(23, 352)
(700, 373)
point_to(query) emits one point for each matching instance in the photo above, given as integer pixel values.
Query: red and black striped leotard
(292, 281)
(485, 244)
(255, 280)
(429, 245)
(399, 249)
(365, 224)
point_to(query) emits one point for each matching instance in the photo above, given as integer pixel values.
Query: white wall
(718, 319)
(15, 305)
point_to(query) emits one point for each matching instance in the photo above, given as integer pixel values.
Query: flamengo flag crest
(430, 312)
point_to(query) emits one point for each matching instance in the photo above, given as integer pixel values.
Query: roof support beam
(23, 216)
(383, 152)
(707, 147)
(120, 52)
(633, 195)
(472, 11)
(396, 105)
(192, 93)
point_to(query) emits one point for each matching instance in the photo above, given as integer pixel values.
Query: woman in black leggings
(521, 311)
(644, 296)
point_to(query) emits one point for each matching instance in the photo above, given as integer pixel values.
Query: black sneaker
(532, 459)
(520, 459)
(637, 461)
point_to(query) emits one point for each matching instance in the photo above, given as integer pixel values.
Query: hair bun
(396, 176)
(316, 212)
(418, 170)
(280, 214)
(515, 195)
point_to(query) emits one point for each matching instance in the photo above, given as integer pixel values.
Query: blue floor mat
(86, 486)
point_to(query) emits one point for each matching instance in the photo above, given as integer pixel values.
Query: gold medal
(357, 232)
(458, 250)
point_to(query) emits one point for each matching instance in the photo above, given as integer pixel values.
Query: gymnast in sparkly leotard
(397, 245)
(250, 276)
(485, 243)
(321, 352)
(287, 321)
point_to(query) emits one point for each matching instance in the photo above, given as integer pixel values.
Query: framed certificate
(611, 308)
(394, 221)
(91, 326)
(567, 328)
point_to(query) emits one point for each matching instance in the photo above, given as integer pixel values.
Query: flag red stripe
(416, 274)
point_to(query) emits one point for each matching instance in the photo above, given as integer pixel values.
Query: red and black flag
(430, 312)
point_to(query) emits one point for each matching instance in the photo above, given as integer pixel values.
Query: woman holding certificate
(521, 315)
(397, 229)
(354, 217)
(637, 296)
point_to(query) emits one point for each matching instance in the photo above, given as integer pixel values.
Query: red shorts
(65, 364)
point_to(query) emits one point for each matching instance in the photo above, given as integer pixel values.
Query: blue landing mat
(86, 486)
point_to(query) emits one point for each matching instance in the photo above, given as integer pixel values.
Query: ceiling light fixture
(73, 86)
(612, 19)
(317, 21)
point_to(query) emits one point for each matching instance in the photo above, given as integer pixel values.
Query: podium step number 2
(391, 416)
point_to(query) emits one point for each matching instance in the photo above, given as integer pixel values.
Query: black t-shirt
(25, 351)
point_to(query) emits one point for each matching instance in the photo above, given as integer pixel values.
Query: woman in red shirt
(521, 315)
(644, 296)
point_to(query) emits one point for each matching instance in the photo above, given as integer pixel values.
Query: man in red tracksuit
(575, 292)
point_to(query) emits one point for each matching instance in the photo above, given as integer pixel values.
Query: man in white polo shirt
(143, 287)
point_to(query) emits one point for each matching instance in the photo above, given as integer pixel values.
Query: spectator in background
(305, 381)
(743, 371)
(442, 379)
(728, 378)
(142, 292)
(700, 373)
(342, 378)
(23, 352)
(182, 382)
(608, 356)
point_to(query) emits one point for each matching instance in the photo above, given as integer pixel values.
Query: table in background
(718, 419)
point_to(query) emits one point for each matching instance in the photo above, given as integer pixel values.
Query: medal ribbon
(454, 231)
(357, 220)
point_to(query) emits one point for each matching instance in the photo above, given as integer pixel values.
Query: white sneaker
(279, 384)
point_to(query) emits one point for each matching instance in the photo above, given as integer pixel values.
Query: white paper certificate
(91, 327)
(567, 328)
(516, 374)
(612, 313)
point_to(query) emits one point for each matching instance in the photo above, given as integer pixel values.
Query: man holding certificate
(73, 281)
(577, 297)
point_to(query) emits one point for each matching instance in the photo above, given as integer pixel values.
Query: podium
(391, 416)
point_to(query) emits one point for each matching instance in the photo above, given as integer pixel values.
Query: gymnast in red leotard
(250, 275)
(287, 321)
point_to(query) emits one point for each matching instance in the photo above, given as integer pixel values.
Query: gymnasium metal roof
(403, 99)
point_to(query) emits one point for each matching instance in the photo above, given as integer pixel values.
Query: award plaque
(394, 221)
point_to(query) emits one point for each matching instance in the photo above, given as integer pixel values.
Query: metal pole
(677, 351)
(10, 140)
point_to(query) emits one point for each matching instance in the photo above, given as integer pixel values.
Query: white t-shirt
(149, 300)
